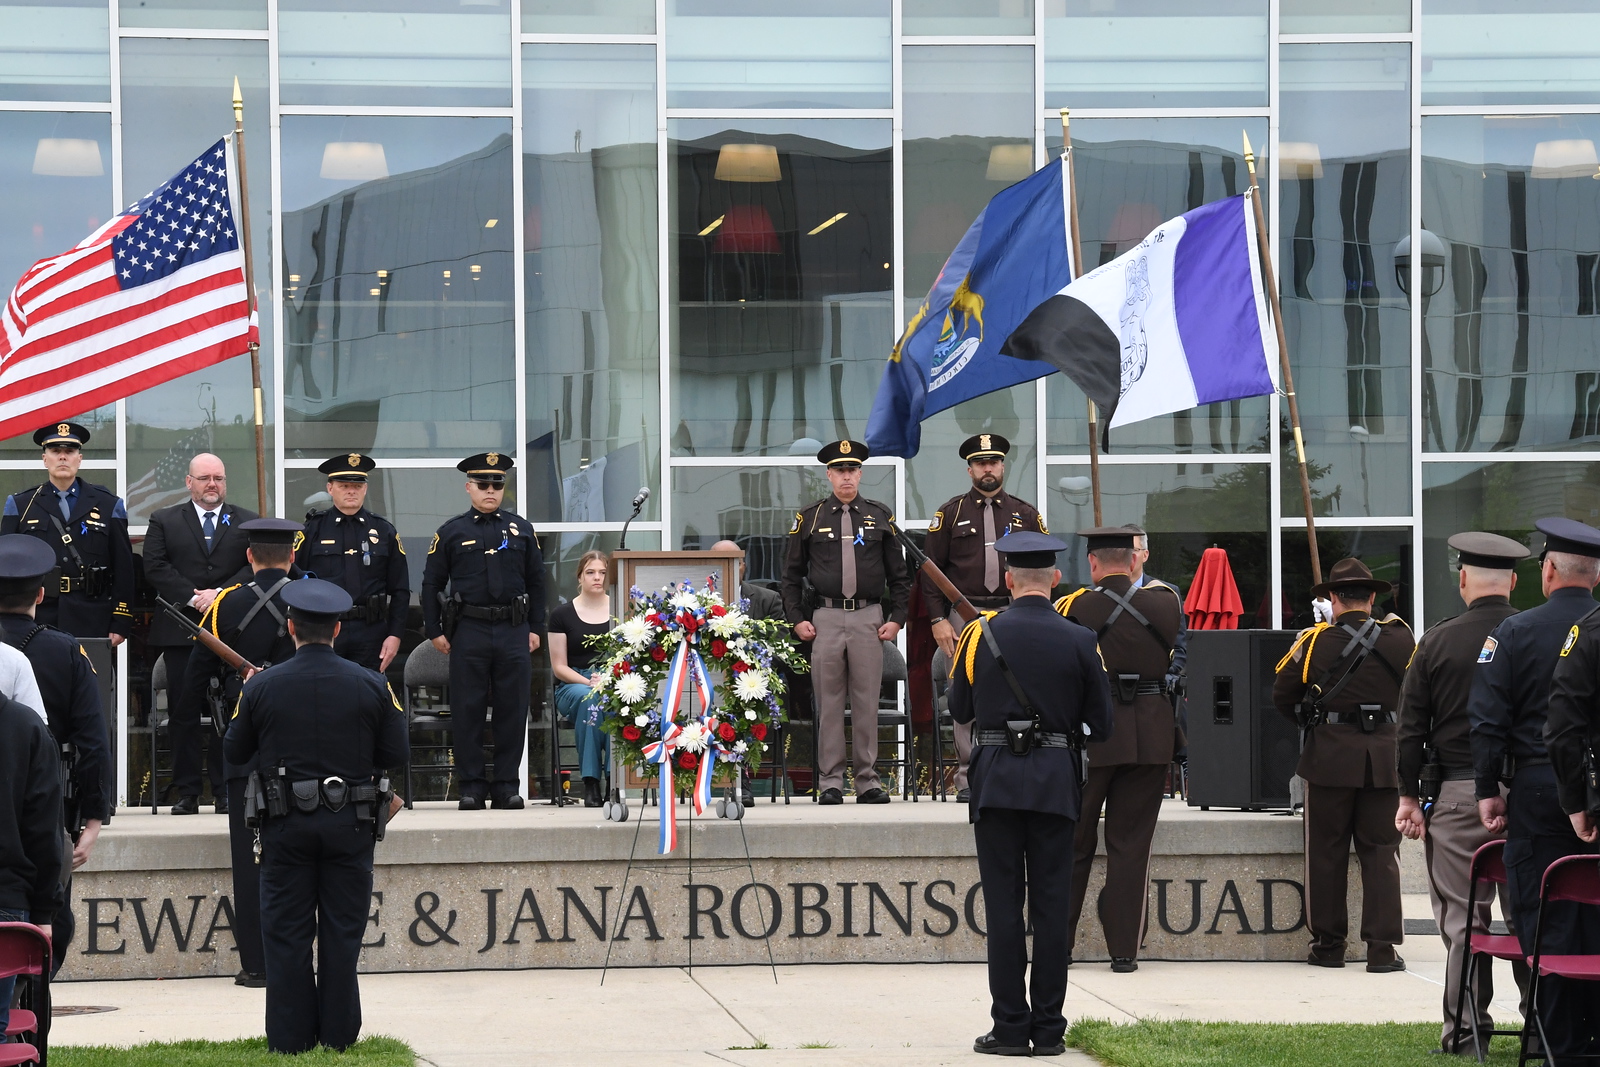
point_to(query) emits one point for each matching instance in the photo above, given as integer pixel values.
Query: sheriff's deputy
(353, 548)
(489, 624)
(1026, 792)
(86, 527)
(962, 542)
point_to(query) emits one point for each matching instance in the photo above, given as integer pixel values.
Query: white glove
(1322, 610)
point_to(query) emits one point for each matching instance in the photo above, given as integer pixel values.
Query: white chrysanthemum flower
(752, 685)
(693, 737)
(730, 624)
(635, 632)
(686, 599)
(631, 688)
(742, 747)
(750, 714)
(641, 721)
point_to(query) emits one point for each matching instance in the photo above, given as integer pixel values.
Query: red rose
(740, 667)
(658, 653)
(688, 761)
(620, 669)
(630, 732)
(759, 731)
(718, 610)
(727, 732)
(690, 623)
(719, 647)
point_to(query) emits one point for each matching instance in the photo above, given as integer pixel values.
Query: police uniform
(961, 543)
(1128, 770)
(71, 703)
(362, 553)
(849, 555)
(325, 728)
(495, 573)
(1511, 695)
(252, 619)
(1434, 744)
(94, 593)
(1024, 807)
(1352, 669)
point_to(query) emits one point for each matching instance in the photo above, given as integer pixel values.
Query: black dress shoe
(964, 796)
(1057, 1049)
(1123, 965)
(471, 803)
(507, 803)
(220, 803)
(831, 796)
(747, 798)
(591, 793)
(1389, 966)
(187, 806)
(250, 980)
(990, 1045)
(875, 795)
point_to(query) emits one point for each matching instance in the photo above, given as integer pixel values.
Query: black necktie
(209, 527)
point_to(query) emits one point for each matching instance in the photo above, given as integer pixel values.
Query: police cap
(985, 446)
(62, 435)
(1569, 535)
(1491, 551)
(843, 454)
(348, 467)
(271, 531)
(1029, 550)
(1107, 537)
(23, 558)
(316, 600)
(489, 466)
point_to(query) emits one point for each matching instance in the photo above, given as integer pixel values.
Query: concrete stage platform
(552, 887)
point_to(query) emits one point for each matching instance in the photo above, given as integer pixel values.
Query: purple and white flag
(1178, 321)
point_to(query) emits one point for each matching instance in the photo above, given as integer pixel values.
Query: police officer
(842, 545)
(1026, 797)
(252, 619)
(1341, 682)
(1137, 630)
(961, 542)
(324, 728)
(1510, 697)
(489, 625)
(352, 547)
(71, 703)
(86, 527)
(1437, 802)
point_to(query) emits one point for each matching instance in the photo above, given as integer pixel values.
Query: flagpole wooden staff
(1077, 271)
(1283, 359)
(250, 284)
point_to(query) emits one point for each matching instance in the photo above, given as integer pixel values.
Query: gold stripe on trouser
(1454, 834)
(847, 664)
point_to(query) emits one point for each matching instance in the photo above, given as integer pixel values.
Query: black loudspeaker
(1242, 753)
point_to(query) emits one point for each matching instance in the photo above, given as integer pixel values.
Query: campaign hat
(1350, 573)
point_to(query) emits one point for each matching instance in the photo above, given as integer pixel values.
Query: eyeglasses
(486, 486)
(219, 478)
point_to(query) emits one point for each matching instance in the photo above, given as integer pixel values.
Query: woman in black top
(572, 625)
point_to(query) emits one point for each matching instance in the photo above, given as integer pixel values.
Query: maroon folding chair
(1575, 879)
(25, 953)
(1488, 865)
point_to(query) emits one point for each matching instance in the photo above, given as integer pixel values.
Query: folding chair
(1488, 865)
(25, 953)
(1575, 879)
(426, 669)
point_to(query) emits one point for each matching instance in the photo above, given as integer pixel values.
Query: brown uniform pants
(847, 662)
(1334, 816)
(1131, 793)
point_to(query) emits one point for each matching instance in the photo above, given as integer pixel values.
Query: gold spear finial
(1249, 154)
(238, 101)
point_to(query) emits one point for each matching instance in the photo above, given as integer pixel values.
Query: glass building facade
(670, 243)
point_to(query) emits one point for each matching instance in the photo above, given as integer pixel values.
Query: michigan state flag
(1178, 321)
(1014, 256)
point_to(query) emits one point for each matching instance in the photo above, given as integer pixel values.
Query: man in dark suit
(191, 551)
(1026, 795)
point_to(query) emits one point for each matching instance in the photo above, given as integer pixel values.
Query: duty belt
(495, 613)
(853, 604)
(332, 793)
(1341, 718)
(1041, 739)
(372, 609)
(1146, 689)
(991, 603)
(1466, 774)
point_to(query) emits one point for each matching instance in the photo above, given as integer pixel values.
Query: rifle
(210, 640)
(958, 600)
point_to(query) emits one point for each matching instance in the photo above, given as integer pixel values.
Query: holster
(1432, 777)
(449, 614)
(1371, 716)
(519, 610)
(1127, 688)
(1591, 779)
(275, 793)
(96, 581)
(254, 802)
(1020, 735)
(380, 809)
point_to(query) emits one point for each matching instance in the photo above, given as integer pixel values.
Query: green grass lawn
(369, 1052)
(1194, 1044)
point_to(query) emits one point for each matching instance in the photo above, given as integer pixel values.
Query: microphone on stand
(638, 503)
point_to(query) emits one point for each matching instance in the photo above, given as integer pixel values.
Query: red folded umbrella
(1213, 602)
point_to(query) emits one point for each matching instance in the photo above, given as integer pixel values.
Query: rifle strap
(1005, 669)
(1362, 643)
(66, 539)
(1126, 605)
(264, 600)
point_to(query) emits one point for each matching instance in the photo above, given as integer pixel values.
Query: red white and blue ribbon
(708, 761)
(685, 662)
(660, 752)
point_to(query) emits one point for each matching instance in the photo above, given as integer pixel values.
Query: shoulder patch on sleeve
(938, 521)
(1042, 527)
(1572, 639)
(85, 654)
(433, 547)
(120, 511)
(299, 539)
(796, 527)
(393, 699)
(1486, 653)
(398, 544)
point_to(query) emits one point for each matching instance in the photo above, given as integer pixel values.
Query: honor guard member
(1341, 684)
(961, 542)
(1511, 695)
(71, 703)
(351, 547)
(322, 729)
(489, 624)
(1137, 630)
(86, 527)
(252, 619)
(842, 546)
(1437, 796)
(1031, 685)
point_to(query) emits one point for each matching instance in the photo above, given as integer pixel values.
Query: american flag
(163, 485)
(157, 292)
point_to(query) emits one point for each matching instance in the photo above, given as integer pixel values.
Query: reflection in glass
(755, 506)
(1344, 181)
(954, 18)
(1186, 509)
(763, 53)
(395, 52)
(1511, 325)
(1367, 16)
(1386, 550)
(398, 286)
(1155, 53)
(194, 14)
(54, 50)
(1510, 52)
(782, 236)
(1133, 175)
(588, 16)
(593, 333)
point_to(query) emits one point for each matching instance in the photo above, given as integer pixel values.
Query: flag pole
(1283, 359)
(250, 284)
(1077, 271)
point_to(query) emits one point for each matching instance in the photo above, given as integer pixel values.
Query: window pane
(398, 285)
(395, 52)
(967, 17)
(1510, 52)
(592, 294)
(1344, 186)
(195, 14)
(54, 50)
(760, 53)
(1349, 16)
(783, 303)
(1187, 508)
(1155, 53)
(177, 96)
(1510, 304)
(588, 16)
(1387, 551)
(1133, 175)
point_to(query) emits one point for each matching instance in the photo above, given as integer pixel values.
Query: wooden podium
(652, 570)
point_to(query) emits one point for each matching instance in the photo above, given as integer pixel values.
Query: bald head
(726, 545)
(207, 480)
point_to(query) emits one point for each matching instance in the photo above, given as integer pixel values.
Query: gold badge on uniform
(983, 442)
(354, 459)
(796, 527)
(1572, 639)
(493, 459)
(938, 521)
